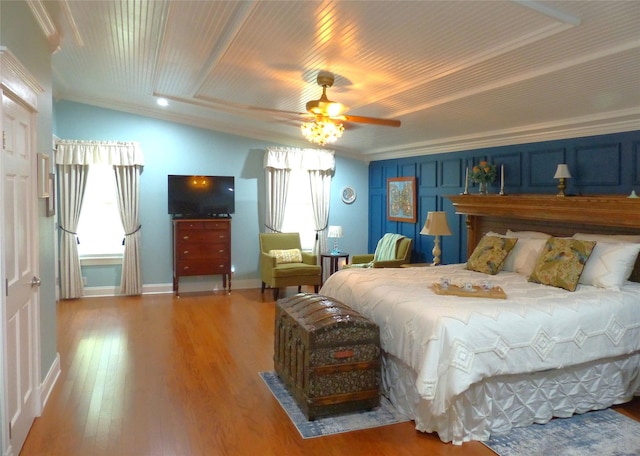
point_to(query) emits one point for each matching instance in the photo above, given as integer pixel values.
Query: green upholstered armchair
(285, 267)
(402, 256)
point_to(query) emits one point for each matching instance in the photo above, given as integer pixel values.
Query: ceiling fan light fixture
(325, 107)
(322, 132)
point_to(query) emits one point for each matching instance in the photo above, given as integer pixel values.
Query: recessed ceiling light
(163, 102)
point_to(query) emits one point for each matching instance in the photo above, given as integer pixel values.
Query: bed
(467, 367)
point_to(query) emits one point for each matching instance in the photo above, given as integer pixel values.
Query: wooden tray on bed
(478, 292)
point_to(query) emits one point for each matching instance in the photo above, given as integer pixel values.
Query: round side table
(334, 260)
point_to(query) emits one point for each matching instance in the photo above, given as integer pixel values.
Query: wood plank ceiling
(458, 74)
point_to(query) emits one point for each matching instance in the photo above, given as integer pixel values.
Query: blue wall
(607, 164)
(172, 148)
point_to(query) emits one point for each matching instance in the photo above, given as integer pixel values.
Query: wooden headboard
(558, 216)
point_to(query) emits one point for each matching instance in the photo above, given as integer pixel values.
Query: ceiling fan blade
(276, 111)
(371, 120)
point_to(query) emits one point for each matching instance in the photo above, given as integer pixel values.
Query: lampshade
(334, 232)
(322, 132)
(436, 224)
(562, 171)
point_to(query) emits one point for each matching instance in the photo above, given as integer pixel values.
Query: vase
(482, 188)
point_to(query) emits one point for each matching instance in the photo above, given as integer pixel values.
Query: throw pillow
(561, 262)
(490, 253)
(524, 255)
(610, 264)
(287, 256)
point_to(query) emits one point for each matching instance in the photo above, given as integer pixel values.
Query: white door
(21, 286)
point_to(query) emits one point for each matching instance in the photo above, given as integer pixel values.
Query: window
(100, 230)
(298, 215)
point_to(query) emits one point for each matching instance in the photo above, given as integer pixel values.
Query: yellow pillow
(287, 256)
(490, 253)
(561, 262)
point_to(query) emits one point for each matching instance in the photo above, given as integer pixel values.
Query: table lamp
(335, 232)
(562, 173)
(436, 225)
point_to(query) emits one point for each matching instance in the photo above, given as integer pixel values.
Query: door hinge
(6, 287)
(4, 140)
(9, 430)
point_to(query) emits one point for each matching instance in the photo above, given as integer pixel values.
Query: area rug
(602, 433)
(383, 415)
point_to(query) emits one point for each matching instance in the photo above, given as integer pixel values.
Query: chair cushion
(287, 256)
(296, 270)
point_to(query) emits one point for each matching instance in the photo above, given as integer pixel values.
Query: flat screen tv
(201, 196)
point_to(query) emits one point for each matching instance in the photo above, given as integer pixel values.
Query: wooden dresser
(201, 247)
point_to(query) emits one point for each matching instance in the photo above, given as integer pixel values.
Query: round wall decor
(348, 195)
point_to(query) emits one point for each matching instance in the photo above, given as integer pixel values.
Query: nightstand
(333, 261)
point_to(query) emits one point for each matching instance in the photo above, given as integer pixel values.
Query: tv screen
(201, 196)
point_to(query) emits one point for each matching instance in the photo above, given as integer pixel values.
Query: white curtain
(127, 183)
(72, 180)
(277, 183)
(320, 164)
(320, 181)
(73, 159)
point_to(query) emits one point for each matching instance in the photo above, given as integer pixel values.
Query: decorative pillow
(610, 264)
(524, 255)
(561, 262)
(490, 253)
(287, 256)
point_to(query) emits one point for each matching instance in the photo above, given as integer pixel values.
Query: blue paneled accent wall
(606, 164)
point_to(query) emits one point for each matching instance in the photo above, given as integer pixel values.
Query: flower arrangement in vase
(483, 173)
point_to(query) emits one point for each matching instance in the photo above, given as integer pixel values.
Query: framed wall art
(51, 200)
(43, 176)
(348, 195)
(401, 199)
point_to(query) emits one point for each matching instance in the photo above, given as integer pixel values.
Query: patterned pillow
(490, 253)
(561, 262)
(287, 256)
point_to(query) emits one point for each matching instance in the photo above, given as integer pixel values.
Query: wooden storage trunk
(327, 355)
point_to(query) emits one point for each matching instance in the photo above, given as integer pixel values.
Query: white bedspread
(453, 342)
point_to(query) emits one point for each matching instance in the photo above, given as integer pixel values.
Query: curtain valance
(78, 152)
(305, 159)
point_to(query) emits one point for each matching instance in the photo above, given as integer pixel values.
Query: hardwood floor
(156, 375)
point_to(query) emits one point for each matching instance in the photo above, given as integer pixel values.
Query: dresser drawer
(202, 267)
(195, 225)
(202, 250)
(202, 235)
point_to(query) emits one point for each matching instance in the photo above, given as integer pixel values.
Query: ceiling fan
(325, 117)
(324, 109)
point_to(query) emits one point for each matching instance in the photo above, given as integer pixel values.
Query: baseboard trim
(185, 286)
(46, 387)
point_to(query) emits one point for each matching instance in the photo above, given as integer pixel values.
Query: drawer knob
(186, 251)
(185, 237)
(185, 268)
